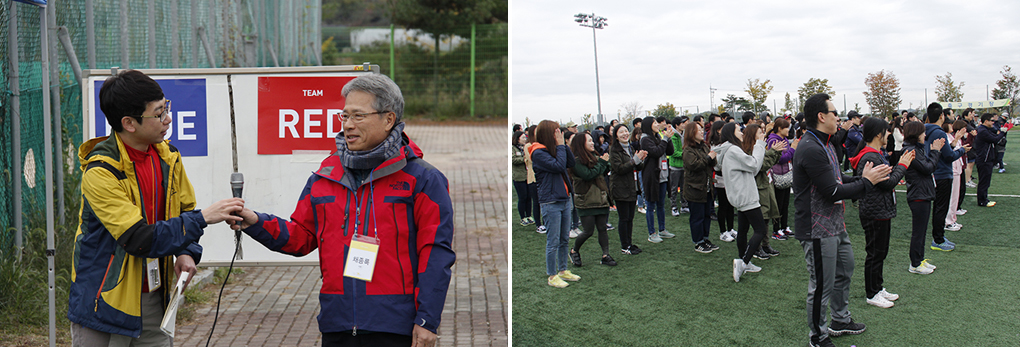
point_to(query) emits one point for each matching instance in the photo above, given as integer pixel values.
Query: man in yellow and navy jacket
(137, 213)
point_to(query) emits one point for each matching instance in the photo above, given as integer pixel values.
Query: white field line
(968, 194)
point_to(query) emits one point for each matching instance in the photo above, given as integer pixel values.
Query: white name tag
(152, 273)
(361, 258)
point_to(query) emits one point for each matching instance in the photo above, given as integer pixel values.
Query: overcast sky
(653, 52)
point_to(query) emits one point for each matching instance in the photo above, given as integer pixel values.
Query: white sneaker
(961, 212)
(738, 269)
(880, 301)
(541, 229)
(574, 233)
(675, 212)
(726, 237)
(925, 263)
(888, 296)
(921, 270)
(750, 267)
(666, 234)
(971, 184)
(654, 238)
(641, 209)
(954, 227)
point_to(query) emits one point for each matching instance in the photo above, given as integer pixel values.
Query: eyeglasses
(162, 116)
(356, 117)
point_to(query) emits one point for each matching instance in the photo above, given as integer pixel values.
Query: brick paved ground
(277, 306)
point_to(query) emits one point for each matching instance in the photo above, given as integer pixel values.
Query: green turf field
(670, 295)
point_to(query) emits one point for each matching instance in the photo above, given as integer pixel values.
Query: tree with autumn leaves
(883, 94)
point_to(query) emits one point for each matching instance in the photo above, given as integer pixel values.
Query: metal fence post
(90, 32)
(175, 36)
(48, 160)
(15, 83)
(472, 91)
(51, 47)
(194, 35)
(152, 33)
(208, 49)
(72, 58)
(125, 58)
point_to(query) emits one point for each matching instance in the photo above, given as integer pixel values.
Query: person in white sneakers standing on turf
(819, 189)
(724, 214)
(878, 208)
(655, 175)
(943, 175)
(741, 160)
(955, 134)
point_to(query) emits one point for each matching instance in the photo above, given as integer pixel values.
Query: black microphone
(236, 186)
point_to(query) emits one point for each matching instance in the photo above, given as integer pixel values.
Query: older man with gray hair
(382, 220)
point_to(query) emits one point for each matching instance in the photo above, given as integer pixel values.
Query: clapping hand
(937, 144)
(876, 174)
(907, 158)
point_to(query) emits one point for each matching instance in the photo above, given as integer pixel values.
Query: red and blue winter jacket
(404, 203)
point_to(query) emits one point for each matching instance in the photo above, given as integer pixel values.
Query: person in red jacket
(382, 220)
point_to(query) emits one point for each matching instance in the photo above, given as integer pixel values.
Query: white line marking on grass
(993, 195)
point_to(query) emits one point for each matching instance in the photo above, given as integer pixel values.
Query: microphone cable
(220, 297)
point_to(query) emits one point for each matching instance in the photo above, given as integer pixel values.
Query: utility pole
(594, 22)
(711, 97)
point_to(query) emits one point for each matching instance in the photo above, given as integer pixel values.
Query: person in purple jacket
(779, 133)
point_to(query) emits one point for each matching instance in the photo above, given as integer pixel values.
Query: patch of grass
(670, 295)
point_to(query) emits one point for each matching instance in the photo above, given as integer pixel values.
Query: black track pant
(783, 199)
(749, 219)
(920, 211)
(943, 192)
(725, 211)
(625, 209)
(876, 236)
(984, 181)
(588, 226)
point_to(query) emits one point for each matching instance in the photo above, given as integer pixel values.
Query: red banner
(298, 113)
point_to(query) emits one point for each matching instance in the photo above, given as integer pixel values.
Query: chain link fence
(438, 86)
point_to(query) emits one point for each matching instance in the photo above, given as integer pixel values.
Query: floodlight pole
(594, 22)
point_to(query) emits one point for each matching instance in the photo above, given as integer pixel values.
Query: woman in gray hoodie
(739, 165)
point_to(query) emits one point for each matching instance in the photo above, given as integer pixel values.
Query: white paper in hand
(176, 300)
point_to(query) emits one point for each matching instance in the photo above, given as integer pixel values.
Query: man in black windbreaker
(819, 189)
(984, 145)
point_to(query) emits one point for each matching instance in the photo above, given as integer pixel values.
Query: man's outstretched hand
(250, 218)
(222, 211)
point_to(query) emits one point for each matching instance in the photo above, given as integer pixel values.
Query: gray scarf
(370, 159)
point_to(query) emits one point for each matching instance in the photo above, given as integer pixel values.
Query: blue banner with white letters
(188, 112)
(40, 3)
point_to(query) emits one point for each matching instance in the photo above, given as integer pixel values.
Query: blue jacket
(404, 203)
(944, 169)
(554, 183)
(854, 136)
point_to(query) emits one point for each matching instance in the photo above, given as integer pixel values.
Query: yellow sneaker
(557, 282)
(925, 263)
(566, 275)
